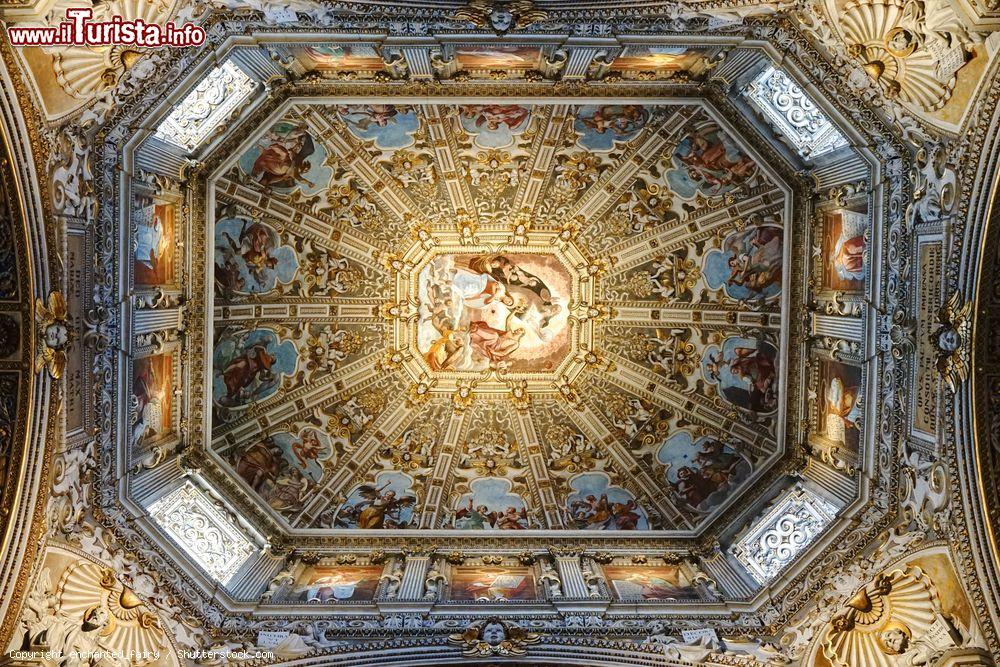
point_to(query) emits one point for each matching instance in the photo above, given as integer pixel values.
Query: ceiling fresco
(497, 330)
(574, 292)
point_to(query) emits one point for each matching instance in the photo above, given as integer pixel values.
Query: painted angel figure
(250, 365)
(380, 508)
(492, 116)
(364, 116)
(474, 516)
(307, 448)
(255, 247)
(512, 519)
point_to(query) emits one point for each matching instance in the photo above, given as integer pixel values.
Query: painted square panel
(843, 251)
(323, 584)
(649, 583)
(155, 244)
(840, 414)
(492, 583)
(152, 397)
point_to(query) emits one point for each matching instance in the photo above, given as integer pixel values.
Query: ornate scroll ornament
(435, 581)
(798, 118)
(494, 636)
(894, 620)
(54, 334)
(208, 536)
(499, 15)
(953, 339)
(392, 579)
(205, 109)
(72, 174)
(592, 578)
(912, 50)
(282, 581)
(783, 533)
(551, 580)
(936, 187)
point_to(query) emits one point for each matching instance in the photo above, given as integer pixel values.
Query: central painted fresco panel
(496, 316)
(494, 311)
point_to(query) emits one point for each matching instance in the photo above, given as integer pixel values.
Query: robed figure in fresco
(260, 463)
(756, 259)
(492, 116)
(249, 365)
(379, 507)
(480, 516)
(284, 160)
(593, 513)
(618, 119)
(255, 246)
(708, 162)
(149, 396)
(758, 370)
(747, 375)
(482, 309)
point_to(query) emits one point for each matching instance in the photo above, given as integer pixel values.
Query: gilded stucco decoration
(408, 263)
(504, 330)
(500, 16)
(953, 341)
(894, 619)
(494, 637)
(53, 335)
(27, 424)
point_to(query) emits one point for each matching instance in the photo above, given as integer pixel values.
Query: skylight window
(783, 533)
(206, 107)
(794, 114)
(208, 536)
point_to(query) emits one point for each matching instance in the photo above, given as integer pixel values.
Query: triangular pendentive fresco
(497, 317)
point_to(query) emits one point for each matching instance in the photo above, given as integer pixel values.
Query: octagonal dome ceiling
(499, 316)
(449, 332)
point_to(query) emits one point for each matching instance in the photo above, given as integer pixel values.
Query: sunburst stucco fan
(132, 631)
(84, 71)
(887, 617)
(892, 54)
